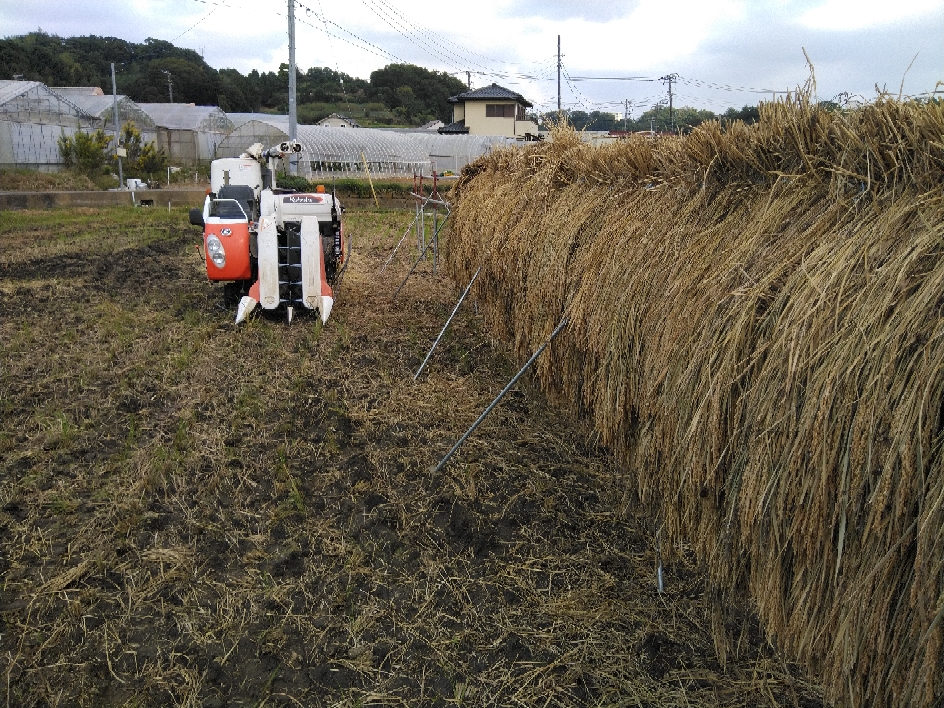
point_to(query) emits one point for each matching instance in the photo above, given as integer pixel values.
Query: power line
(724, 87)
(373, 48)
(580, 96)
(423, 31)
(611, 78)
(393, 22)
(215, 8)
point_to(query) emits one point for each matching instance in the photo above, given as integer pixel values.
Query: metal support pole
(419, 207)
(435, 238)
(421, 256)
(558, 78)
(445, 326)
(292, 107)
(669, 78)
(412, 268)
(501, 395)
(423, 228)
(114, 110)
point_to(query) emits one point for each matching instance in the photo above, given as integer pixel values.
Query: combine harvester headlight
(215, 250)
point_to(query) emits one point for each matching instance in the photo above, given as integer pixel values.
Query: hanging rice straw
(761, 342)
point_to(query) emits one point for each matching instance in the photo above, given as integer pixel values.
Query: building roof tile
(491, 93)
(457, 128)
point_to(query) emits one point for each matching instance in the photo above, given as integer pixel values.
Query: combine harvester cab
(283, 249)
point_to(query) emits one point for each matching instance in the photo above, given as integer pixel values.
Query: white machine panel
(292, 207)
(268, 263)
(311, 263)
(239, 170)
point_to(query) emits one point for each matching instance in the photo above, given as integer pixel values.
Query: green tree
(151, 159)
(130, 139)
(594, 120)
(420, 94)
(85, 152)
(748, 114)
(681, 119)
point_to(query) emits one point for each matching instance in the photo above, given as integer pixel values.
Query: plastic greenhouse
(32, 119)
(335, 151)
(99, 105)
(188, 133)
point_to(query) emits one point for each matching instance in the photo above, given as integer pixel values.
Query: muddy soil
(195, 514)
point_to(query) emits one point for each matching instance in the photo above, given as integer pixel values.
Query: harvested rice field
(194, 514)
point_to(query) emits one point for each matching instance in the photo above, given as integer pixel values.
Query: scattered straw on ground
(194, 514)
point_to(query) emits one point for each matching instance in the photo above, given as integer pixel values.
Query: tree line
(148, 72)
(657, 119)
(398, 94)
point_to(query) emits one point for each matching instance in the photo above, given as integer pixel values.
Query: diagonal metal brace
(454, 311)
(442, 463)
(397, 247)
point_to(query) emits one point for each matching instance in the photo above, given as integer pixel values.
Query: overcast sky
(718, 48)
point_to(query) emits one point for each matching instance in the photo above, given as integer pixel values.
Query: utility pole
(292, 109)
(558, 78)
(114, 112)
(170, 86)
(468, 79)
(625, 114)
(670, 78)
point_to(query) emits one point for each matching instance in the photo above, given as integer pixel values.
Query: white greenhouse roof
(271, 118)
(11, 89)
(327, 143)
(101, 106)
(387, 152)
(185, 116)
(33, 101)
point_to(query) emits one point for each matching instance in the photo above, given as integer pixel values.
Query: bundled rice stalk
(756, 327)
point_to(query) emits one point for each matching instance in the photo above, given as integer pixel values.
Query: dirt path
(197, 515)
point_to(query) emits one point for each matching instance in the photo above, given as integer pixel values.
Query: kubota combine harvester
(283, 250)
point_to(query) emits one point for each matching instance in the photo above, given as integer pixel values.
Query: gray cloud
(590, 10)
(762, 49)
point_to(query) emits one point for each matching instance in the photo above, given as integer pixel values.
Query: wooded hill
(398, 94)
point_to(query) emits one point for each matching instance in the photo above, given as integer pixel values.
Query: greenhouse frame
(101, 106)
(328, 151)
(188, 134)
(32, 119)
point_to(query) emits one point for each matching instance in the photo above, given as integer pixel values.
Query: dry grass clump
(755, 327)
(24, 180)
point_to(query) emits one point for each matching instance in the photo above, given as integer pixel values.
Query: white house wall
(479, 124)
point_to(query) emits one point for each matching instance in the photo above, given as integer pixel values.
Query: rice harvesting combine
(756, 329)
(280, 249)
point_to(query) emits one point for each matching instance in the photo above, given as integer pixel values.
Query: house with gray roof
(491, 110)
